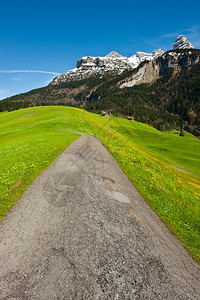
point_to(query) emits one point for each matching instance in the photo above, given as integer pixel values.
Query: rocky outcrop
(182, 43)
(149, 72)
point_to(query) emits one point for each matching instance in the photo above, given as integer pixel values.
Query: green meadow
(164, 167)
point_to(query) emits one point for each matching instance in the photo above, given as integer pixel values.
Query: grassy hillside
(164, 167)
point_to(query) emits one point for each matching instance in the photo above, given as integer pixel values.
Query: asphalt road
(82, 231)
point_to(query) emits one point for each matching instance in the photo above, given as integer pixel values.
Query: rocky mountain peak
(113, 54)
(158, 52)
(182, 43)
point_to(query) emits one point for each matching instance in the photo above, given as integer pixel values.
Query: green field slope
(164, 167)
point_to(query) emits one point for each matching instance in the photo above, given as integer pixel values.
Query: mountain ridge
(114, 63)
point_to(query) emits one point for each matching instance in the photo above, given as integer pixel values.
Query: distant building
(131, 118)
(105, 114)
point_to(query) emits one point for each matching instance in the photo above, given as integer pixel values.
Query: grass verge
(24, 154)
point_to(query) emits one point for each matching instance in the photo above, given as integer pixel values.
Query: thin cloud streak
(165, 41)
(192, 29)
(29, 71)
(171, 35)
(192, 33)
(3, 91)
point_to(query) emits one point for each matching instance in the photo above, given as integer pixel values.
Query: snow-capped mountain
(139, 57)
(182, 43)
(114, 63)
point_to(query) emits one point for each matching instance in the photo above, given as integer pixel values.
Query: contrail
(29, 71)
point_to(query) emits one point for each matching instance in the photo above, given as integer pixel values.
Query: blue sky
(51, 35)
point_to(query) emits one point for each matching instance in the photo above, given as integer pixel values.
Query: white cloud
(28, 71)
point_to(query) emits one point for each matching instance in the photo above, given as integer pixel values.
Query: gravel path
(82, 231)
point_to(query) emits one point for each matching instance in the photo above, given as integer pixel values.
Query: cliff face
(149, 72)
